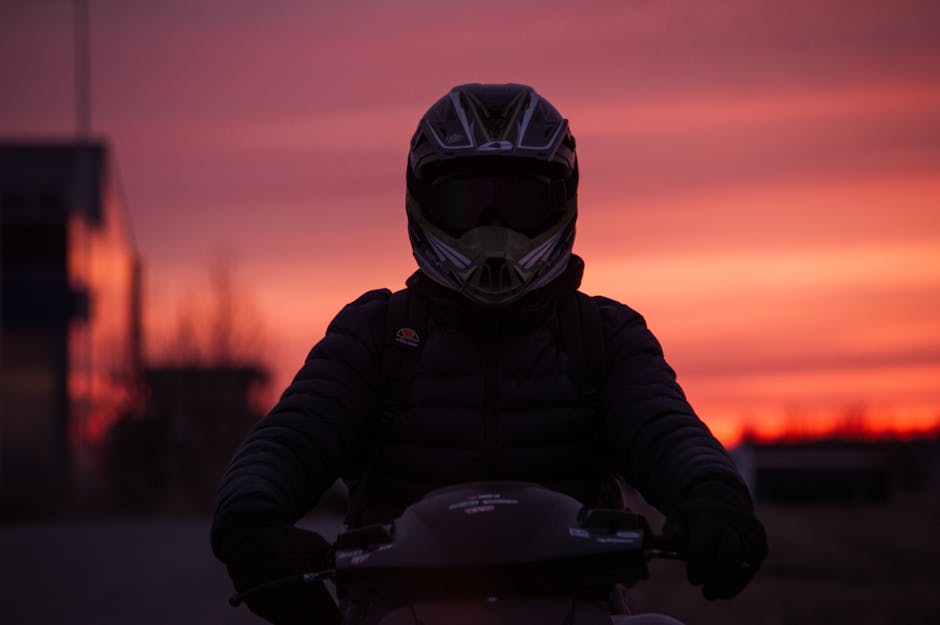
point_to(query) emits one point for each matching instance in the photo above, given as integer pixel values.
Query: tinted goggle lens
(524, 203)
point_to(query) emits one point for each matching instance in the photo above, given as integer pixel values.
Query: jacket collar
(452, 307)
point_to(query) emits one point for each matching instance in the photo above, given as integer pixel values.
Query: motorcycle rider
(485, 383)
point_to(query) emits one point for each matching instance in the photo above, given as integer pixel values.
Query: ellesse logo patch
(407, 337)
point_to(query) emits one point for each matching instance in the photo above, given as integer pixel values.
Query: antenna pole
(82, 70)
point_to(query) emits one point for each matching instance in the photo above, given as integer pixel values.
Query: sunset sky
(760, 179)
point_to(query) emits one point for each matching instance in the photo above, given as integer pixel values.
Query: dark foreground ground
(830, 565)
(118, 572)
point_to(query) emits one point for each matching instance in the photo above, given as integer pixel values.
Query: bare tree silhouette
(218, 325)
(204, 388)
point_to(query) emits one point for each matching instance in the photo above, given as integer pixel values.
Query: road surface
(118, 572)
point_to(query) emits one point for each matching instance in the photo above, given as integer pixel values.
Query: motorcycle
(494, 553)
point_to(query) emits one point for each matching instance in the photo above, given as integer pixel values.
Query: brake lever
(283, 583)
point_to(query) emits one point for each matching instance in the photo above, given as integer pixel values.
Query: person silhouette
(489, 365)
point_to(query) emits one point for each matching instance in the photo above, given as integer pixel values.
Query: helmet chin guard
(493, 266)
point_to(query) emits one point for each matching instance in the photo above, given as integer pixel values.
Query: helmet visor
(526, 204)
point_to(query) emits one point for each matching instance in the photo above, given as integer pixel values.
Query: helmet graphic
(491, 192)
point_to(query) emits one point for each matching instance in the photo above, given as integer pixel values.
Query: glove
(724, 542)
(258, 555)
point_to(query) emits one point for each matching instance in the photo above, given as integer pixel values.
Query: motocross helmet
(491, 196)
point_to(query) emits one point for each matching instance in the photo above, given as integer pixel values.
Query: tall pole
(76, 456)
(82, 70)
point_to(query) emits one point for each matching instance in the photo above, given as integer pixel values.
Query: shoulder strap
(583, 338)
(405, 329)
(585, 344)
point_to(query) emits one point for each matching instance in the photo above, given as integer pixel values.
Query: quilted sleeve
(655, 439)
(315, 432)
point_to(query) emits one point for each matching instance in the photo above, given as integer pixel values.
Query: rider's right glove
(254, 556)
(725, 542)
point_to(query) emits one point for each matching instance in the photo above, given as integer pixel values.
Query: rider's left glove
(725, 543)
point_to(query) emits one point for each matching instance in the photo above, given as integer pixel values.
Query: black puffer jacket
(492, 399)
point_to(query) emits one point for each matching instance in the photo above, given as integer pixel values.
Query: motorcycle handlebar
(283, 583)
(657, 548)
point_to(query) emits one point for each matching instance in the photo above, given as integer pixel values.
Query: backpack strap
(583, 339)
(585, 344)
(405, 329)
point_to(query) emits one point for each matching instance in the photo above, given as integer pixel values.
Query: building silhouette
(839, 469)
(173, 458)
(70, 336)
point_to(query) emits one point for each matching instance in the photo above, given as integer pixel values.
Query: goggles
(524, 203)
